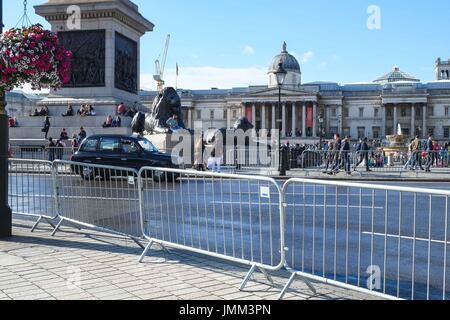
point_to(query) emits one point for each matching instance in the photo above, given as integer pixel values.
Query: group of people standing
(55, 148)
(417, 152)
(338, 155)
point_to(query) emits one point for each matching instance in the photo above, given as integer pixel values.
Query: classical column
(294, 119)
(228, 118)
(424, 121)
(383, 121)
(340, 119)
(304, 119)
(283, 121)
(263, 116)
(395, 120)
(254, 114)
(189, 124)
(413, 120)
(314, 120)
(274, 117)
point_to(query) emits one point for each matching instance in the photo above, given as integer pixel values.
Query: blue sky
(229, 43)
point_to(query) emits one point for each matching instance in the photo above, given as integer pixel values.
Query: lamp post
(280, 74)
(5, 211)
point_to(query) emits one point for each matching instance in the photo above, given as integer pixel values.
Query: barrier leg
(141, 258)
(291, 281)
(37, 223)
(247, 277)
(57, 227)
(268, 277)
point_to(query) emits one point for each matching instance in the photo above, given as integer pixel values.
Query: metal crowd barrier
(232, 217)
(245, 158)
(382, 240)
(105, 198)
(31, 190)
(41, 153)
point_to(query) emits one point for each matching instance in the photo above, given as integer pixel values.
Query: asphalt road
(333, 232)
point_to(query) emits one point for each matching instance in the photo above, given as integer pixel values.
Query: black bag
(43, 130)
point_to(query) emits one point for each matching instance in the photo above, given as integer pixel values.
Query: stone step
(101, 110)
(63, 122)
(35, 132)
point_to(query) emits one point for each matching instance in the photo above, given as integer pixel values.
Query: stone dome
(290, 64)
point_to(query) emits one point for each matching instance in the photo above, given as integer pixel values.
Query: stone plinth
(104, 36)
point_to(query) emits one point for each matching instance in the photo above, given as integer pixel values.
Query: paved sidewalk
(91, 266)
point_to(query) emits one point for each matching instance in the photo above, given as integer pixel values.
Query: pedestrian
(345, 155)
(329, 157)
(51, 149)
(47, 126)
(74, 143)
(430, 153)
(337, 158)
(417, 154)
(82, 135)
(363, 150)
(198, 154)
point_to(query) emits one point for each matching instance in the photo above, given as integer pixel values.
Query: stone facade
(308, 111)
(116, 18)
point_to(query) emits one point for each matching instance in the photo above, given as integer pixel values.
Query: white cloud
(209, 77)
(307, 56)
(248, 51)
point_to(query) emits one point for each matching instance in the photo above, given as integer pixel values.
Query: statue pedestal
(162, 141)
(105, 40)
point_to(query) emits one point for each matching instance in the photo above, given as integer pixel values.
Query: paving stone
(116, 274)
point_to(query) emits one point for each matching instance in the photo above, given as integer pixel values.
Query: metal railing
(105, 198)
(382, 240)
(248, 158)
(31, 190)
(41, 153)
(333, 162)
(232, 217)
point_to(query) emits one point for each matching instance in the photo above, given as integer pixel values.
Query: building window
(446, 111)
(361, 132)
(418, 112)
(345, 112)
(376, 132)
(388, 113)
(361, 112)
(404, 113)
(376, 112)
(333, 130)
(446, 132)
(346, 131)
(225, 114)
(199, 114)
(211, 114)
(431, 111)
(333, 112)
(234, 114)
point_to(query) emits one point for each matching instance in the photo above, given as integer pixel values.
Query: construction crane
(160, 66)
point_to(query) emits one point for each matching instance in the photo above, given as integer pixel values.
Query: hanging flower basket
(33, 55)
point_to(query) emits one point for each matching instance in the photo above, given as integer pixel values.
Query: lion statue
(166, 104)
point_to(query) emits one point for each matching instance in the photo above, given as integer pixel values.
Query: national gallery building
(316, 109)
